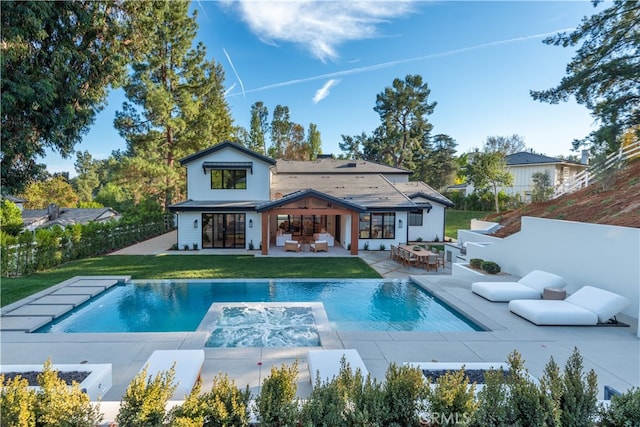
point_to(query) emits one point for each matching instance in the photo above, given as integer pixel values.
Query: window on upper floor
(229, 179)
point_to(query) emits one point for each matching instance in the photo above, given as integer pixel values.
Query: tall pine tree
(176, 104)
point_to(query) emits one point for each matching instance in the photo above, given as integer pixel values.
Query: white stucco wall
(199, 183)
(432, 224)
(603, 256)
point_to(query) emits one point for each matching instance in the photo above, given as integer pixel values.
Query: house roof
(15, 199)
(223, 145)
(302, 194)
(199, 205)
(370, 191)
(335, 166)
(418, 189)
(68, 216)
(528, 158)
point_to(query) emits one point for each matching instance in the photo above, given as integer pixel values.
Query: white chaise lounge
(587, 306)
(530, 286)
(326, 363)
(188, 365)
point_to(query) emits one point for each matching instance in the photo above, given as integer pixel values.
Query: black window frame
(384, 221)
(229, 179)
(412, 218)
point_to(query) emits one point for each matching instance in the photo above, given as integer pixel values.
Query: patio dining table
(421, 255)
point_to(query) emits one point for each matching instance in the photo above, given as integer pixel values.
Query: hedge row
(44, 248)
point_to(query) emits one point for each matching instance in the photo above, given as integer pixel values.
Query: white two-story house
(241, 199)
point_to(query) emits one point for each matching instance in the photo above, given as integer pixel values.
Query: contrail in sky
(382, 65)
(234, 71)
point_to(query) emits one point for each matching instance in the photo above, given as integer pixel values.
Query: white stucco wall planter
(95, 385)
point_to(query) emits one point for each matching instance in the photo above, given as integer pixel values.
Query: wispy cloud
(382, 65)
(228, 91)
(318, 26)
(323, 92)
(234, 70)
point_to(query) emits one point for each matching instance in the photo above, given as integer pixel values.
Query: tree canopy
(604, 75)
(487, 170)
(58, 59)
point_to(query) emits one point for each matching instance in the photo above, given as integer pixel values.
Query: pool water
(350, 305)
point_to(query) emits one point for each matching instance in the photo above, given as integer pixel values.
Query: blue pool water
(350, 305)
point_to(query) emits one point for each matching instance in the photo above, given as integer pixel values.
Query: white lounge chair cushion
(552, 312)
(188, 365)
(529, 286)
(293, 242)
(603, 303)
(504, 291)
(587, 306)
(326, 363)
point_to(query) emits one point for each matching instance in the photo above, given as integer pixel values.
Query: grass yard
(460, 220)
(188, 267)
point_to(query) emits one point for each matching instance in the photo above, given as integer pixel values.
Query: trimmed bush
(476, 262)
(452, 400)
(623, 411)
(277, 404)
(490, 267)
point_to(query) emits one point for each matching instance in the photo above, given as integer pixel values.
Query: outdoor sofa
(530, 286)
(587, 306)
(319, 245)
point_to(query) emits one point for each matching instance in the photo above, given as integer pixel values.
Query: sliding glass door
(223, 230)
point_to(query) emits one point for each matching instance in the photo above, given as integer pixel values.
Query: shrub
(224, 405)
(382, 247)
(144, 403)
(492, 400)
(476, 262)
(452, 399)
(17, 401)
(195, 246)
(366, 246)
(54, 404)
(579, 402)
(404, 392)
(624, 410)
(277, 404)
(490, 267)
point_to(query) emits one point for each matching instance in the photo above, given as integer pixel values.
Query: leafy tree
(296, 148)
(280, 131)
(87, 180)
(53, 190)
(176, 103)
(258, 128)
(57, 61)
(542, 188)
(604, 75)
(505, 144)
(314, 141)
(403, 110)
(351, 145)
(488, 170)
(442, 162)
(10, 218)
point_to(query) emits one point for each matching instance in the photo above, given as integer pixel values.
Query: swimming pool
(173, 306)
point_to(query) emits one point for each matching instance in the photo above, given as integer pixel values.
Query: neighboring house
(238, 198)
(524, 164)
(19, 202)
(55, 215)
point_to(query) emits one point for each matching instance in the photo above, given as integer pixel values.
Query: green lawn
(460, 220)
(188, 267)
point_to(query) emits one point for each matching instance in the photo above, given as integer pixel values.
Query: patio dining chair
(441, 258)
(432, 262)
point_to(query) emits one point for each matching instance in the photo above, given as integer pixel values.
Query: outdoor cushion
(587, 306)
(529, 286)
(603, 303)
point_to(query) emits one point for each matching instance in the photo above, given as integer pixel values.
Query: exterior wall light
(399, 223)
(195, 223)
(250, 223)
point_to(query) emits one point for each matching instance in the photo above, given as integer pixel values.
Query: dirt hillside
(617, 205)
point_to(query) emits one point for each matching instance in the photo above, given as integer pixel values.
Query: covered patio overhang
(310, 202)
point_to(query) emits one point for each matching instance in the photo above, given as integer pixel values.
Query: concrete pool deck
(613, 352)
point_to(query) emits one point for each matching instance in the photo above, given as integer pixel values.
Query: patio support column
(355, 227)
(265, 232)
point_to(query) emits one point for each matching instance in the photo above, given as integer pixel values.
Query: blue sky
(328, 60)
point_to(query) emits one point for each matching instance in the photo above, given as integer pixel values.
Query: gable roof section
(524, 158)
(373, 192)
(68, 216)
(303, 194)
(222, 146)
(336, 166)
(416, 189)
